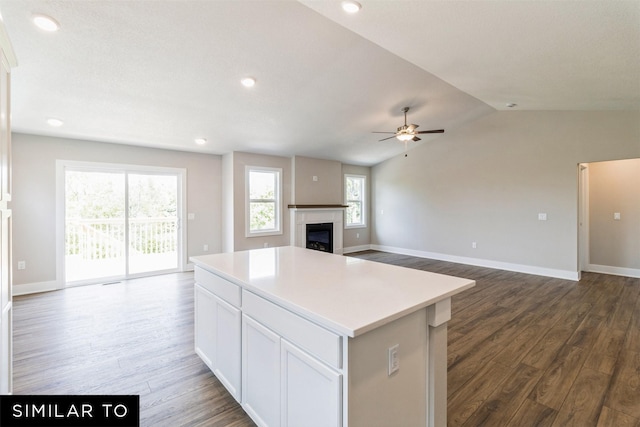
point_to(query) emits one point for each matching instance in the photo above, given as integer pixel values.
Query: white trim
(278, 202)
(352, 249)
(519, 268)
(363, 201)
(616, 271)
(34, 288)
(62, 165)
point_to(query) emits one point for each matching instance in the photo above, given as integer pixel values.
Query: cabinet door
(228, 345)
(5, 351)
(311, 391)
(205, 332)
(260, 373)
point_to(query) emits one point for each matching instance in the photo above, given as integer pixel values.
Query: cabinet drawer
(220, 287)
(315, 339)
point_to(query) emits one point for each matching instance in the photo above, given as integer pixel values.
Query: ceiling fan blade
(411, 128)
(431, 131)
(415, 138)
(387, 138)
(385, 132)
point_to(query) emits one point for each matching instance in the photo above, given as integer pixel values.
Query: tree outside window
(263, 189)
(355, 200)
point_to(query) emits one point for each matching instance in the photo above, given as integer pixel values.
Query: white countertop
(347, 295)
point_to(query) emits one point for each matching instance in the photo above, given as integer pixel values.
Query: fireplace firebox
(320, 237)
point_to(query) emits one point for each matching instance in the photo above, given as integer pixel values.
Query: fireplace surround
(302, 215)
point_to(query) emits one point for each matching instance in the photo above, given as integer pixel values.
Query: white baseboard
(616, 271)
(519, 268)
(34, 288)
(352, 249)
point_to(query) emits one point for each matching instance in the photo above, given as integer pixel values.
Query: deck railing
(94, 239)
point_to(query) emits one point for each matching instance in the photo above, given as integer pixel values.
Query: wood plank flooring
(523, 350)
(528, 350)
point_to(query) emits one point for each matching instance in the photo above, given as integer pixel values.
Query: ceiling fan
(408, 132)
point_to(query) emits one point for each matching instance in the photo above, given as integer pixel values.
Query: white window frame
(363, 201)
(278, 201)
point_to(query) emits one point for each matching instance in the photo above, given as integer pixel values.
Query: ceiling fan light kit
(406, 133)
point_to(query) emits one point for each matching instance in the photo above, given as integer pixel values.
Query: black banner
(70, 411)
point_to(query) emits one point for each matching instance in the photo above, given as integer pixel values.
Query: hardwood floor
(134, 337)
(523, 350)
(528, 350)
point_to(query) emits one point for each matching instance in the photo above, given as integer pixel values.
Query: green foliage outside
(100, 196)
(354, 188)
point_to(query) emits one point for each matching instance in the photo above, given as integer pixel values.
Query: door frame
(583, 218)
(62, 165)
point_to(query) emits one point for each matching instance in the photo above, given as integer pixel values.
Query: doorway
(119, 222)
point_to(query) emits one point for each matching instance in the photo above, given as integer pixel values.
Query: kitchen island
(306, 338)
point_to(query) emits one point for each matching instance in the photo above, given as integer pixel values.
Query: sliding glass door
(120, 223)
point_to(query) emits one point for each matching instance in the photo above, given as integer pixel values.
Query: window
(354, 191)
(263, 201)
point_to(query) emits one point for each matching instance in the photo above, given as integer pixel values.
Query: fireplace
(319, 237)
(303, 215)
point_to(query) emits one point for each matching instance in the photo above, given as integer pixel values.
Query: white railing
(94, 239)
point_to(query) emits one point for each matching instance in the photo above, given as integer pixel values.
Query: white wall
(34, 196)
(487, 181)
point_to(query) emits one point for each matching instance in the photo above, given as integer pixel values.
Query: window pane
(354, 198)
(354, 187)
(354, 213)
(262, 185)
(263, 216)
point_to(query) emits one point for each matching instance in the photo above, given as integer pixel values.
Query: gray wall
(238, 162)
(34, 195)
(487, 181)
(326, 190)
(614, 187)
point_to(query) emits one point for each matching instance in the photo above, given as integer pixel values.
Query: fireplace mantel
(301, 215)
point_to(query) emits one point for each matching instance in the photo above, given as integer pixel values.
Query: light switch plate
(394, 359)
(542, 217)
(616, 216)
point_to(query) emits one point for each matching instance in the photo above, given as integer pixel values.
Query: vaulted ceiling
(161, 73)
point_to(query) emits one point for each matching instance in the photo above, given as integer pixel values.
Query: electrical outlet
(205, 247)
(542, 217)
(266, 245)
(616, 216)
(474, 245)
(22, 265)
(394, 359)
(357, 235)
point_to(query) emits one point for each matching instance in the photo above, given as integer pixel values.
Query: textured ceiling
(161, 73)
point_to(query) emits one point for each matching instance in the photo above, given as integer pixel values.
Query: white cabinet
(217, 335)
(311, 392)
(7, 60)
(284, 385)
(205, 339)
(260, 373)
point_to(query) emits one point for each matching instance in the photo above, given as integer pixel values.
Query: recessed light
(56, 123)
(248, 82)
(511, 105)
(200, 141)
(351, 6)
(46, 23)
